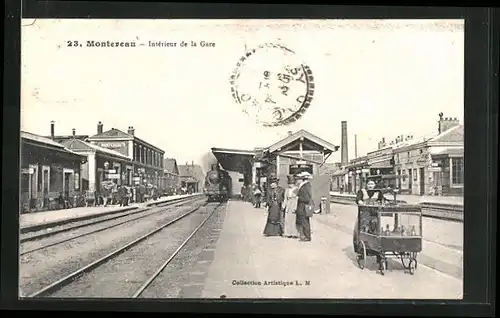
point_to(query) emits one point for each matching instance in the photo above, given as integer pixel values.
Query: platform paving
(46, 217)
(248, 265)
(415, 199)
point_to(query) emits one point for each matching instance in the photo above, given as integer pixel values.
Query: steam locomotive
(217, 184)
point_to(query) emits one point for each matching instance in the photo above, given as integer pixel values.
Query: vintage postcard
(242, 159)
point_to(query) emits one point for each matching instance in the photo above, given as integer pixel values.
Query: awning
(189, 180)
(234, 159)
(449, 152)
(380, 163)
(339, 173)
(385, 176)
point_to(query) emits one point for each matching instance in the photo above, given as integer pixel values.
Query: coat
(304, 197)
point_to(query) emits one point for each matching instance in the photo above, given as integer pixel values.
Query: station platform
(247, 264)
(34, 219)
(415, 199)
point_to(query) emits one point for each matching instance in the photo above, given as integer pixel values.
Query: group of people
(290, 210)
(123, 195)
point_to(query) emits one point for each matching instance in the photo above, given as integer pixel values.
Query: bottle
(413, 233)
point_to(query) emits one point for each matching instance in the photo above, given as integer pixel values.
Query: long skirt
(274, 221)
(290, 225)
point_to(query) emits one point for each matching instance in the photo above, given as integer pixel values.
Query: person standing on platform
(257, 194)
(122, 195)
(305, 209)
(274, 200)
(290, 205)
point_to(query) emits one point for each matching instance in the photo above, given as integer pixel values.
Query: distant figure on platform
(257, 194)
(290, 208)
(274, 200)
(122, 195)
(305, 209)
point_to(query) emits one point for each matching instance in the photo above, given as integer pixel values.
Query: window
(421, 151)
(457, 170)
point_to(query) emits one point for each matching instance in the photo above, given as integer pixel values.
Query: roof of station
(241, 160)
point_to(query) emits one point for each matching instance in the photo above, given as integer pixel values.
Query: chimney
(52, 129)
(289, 133)
(99, 128)
(343, 150)
(192, 163)
(446, 123)
(131, 130)
(74, 132)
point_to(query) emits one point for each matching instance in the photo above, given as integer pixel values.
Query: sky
(384, 77)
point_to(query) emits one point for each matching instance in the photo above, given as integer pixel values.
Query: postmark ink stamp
(272, 85)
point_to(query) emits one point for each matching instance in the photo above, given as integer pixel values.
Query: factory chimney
(52, 129)
(343, 150)
(99, 128)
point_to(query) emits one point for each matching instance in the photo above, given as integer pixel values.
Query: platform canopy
(234, 159)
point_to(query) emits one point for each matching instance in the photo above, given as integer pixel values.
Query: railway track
(40, 234)
(445, 212)
(105, 226)
(138, 244)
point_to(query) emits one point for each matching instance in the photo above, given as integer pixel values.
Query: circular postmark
(272, 85)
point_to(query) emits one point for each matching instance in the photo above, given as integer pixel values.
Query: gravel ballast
(46, 266)
(124, 274)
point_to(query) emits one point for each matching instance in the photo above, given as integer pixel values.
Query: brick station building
(48, 169)
(146, 159)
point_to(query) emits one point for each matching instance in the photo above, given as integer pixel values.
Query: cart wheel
(361, 257)
(412, 266)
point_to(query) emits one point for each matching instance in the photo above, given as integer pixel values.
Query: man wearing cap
(305, 208)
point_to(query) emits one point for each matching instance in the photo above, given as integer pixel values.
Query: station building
(146, 159)
(191, 177)
(432, 165)
(297, 152)
(171, 181)
(94, 171)
(48, 169)
(435, 165)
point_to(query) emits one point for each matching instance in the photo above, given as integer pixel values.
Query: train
(218, 185)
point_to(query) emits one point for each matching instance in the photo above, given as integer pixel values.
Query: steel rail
(173, 255)
(47, 290)
(162, 209)
(94, 222)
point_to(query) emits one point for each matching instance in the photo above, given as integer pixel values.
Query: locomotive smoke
(207, 160)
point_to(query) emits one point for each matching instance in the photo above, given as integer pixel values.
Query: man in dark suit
(305, 207)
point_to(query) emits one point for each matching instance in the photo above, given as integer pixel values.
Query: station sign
(435, 169)
(422, 161)
(113, 176)
(111, 171)
(365, 170)
(301, 162)
(137, 179)
(112, 145)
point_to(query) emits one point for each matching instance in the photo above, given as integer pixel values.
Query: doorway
(422, 181)
(68, 183)
(410, 180)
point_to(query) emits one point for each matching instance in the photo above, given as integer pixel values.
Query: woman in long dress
(274, 200)
(290, 208)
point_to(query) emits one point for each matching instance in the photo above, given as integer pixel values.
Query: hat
(304, 175)
(291, 179)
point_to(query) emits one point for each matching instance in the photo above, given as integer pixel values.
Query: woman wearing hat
(274, 199)
(290, 205)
